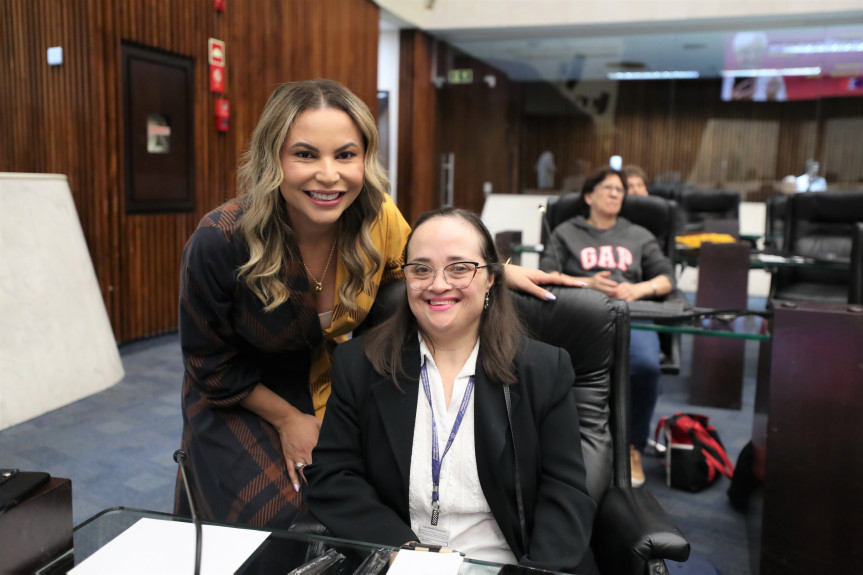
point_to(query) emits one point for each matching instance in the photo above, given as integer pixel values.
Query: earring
(485, 306)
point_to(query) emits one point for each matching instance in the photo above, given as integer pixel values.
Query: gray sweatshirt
(628, 251)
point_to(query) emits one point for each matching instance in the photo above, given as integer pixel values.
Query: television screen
(800, 64)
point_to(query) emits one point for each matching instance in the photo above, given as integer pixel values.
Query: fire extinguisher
(223, 114)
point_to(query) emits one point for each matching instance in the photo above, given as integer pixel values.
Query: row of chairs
(823, 226)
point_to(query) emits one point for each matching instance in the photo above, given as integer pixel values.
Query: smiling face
(607, 197)
(444, 313)
(322, 161)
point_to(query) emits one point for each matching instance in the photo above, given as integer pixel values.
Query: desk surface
(748, 327)
(281, 552)
(773, 260)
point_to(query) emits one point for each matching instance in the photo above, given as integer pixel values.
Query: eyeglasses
(458, 275)
(610, 188)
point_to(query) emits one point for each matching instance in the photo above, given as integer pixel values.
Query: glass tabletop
(775, 260)
(281, 552)
(749, 327)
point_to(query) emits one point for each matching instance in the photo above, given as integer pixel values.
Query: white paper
(168, 547)
(425, 563)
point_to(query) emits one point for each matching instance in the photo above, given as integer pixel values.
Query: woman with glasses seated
(622, 260)
(270, 283)
(447, 426)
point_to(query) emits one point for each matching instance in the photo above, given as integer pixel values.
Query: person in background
(636, 180)
(622, 260)
(270, 282)
(545, 170)
(811, 181)
(417, 444)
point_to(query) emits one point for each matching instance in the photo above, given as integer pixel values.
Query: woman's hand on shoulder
(529, 281)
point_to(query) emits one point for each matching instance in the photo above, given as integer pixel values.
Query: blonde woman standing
(270, 282)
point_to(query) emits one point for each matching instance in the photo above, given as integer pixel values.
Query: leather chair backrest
(701, 205)
(774, 226)
(820, 225)
(595, 332)
(558, 210)
(658, 215)
(855, 289)
(669, 192)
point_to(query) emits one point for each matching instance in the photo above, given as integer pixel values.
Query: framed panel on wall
(158, 131)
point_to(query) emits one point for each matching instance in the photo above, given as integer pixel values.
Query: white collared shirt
(464, 510)
(816, 184)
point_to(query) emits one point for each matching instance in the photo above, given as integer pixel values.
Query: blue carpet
(116, 446)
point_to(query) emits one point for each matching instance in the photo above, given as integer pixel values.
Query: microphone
(544, 217)
(180, 458)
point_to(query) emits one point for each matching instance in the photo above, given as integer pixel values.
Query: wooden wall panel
(418, 165)
(68, 119)
(478, 123)
(475, 122)
(664, 127)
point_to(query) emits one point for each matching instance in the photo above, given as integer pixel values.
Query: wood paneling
(418, 166)
(664, 127)
(476, 122)
(68, 119)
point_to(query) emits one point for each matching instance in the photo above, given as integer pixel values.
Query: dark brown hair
(590, 184)
(500, 329)
(633, 171)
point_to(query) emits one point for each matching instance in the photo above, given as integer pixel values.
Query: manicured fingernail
(297, 487)
(550, 296)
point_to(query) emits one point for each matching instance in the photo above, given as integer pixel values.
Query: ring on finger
(299, 464)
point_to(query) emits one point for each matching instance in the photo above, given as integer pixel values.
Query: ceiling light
(667, 75)
(812, 71)
(818, 48)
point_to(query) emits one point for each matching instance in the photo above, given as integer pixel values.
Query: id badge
(431, 535)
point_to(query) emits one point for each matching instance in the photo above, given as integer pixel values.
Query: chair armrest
(631, 529)
(306, 523)
(670, 342)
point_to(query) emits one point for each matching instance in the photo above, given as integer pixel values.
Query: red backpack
(694, 455)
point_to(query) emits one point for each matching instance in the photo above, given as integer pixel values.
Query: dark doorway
(157, 111)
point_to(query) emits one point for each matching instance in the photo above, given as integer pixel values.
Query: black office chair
(855, 291)
(823, 226)
(661, 218)
(632, 533)
(720, 207)
(774, 224)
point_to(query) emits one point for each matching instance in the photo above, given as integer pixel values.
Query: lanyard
(437, 458)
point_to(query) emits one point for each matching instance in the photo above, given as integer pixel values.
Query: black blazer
(358, 482)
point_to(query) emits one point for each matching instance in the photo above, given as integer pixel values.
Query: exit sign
(461, 76)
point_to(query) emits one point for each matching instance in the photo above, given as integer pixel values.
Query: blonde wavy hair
(265, 226)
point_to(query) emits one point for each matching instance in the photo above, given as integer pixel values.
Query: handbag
(694, 454)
